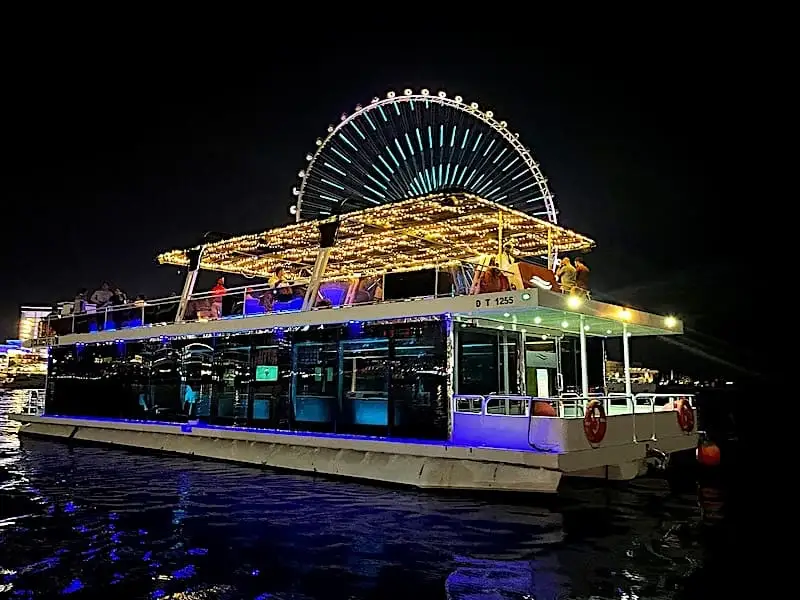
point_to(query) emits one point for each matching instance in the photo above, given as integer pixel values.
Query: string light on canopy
(420, 233)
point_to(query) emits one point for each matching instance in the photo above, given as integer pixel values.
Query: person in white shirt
(102, 296)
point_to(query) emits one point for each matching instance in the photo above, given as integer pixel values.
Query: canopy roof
(404, 236)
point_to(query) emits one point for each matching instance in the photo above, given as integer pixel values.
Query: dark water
(89, 522)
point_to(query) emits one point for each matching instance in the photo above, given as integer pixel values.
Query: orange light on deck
(625, 314)
(670, 322)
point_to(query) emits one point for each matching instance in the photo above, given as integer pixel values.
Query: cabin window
(197, 364)
(232, 376)
(487, 362)
(419, 381)
(375, 379)
(510, 407)
(469, 404)
(268, 374)
(365, 382)
(315, 383)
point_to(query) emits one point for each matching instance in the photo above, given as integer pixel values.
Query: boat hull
(426, 465)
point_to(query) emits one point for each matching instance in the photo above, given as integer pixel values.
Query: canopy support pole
(320, 264)
(195, 256)
(626, 360)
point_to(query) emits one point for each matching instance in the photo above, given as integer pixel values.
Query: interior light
(537, 320)
(625, 314)
(574, 301)
(670, 322)
(526, 296)
(564, 324)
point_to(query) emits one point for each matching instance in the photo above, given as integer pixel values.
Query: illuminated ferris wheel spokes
(417, 144)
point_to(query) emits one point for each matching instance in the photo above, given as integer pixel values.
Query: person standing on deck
(581, 277)
(566, 276)
(217, 294)
(102, 296)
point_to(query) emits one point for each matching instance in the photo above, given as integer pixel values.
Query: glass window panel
(316, 384)
(487, 362)
(365, 382)
(231, 379)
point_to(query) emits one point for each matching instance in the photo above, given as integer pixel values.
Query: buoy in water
(708, 454)
(543, 409)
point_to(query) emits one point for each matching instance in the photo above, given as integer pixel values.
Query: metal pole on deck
(320, 264)
(188, 285)
(584, 366)
(626, 360)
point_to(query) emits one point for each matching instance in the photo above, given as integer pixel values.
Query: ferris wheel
(414, 144)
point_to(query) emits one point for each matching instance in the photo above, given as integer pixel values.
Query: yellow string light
(439, 229)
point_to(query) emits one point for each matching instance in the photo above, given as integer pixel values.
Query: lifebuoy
(594, 422)
(685, 415)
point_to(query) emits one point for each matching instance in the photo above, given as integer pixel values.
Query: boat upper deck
(532, 310)
(358, 266)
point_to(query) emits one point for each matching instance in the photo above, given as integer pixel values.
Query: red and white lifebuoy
(685, 415)
(595, 423)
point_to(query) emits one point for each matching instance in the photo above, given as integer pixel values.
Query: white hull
(428, 465)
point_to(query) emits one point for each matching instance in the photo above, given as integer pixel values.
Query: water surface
(80, 522)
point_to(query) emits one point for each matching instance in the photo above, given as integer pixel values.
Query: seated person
(252, 305)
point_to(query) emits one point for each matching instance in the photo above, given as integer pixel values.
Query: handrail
(576, 405)
(35, 404)
(160, 310)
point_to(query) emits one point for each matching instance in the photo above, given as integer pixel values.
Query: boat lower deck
(423, 464)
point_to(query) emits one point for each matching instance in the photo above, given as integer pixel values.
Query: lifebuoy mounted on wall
(685, 415)
(595, 423)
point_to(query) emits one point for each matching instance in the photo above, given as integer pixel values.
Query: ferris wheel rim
(441, 99)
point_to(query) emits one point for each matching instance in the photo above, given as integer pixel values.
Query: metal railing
(573, 406)
(258, 299)
(34, 404)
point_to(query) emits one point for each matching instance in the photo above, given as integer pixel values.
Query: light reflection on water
(85, 521)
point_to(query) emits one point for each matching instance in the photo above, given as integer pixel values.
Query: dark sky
(123, 151)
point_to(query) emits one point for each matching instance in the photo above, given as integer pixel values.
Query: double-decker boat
(412, 345)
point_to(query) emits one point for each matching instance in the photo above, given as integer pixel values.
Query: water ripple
(89, 522)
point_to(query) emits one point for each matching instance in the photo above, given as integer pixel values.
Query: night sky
(119, 154)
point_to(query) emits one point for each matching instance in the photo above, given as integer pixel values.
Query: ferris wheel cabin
(424, 342)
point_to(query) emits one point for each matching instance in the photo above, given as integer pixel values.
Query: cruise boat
(424, 342)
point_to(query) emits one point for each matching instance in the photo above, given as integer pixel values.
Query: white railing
(571, 406)
(254, 300)
(34, 404)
